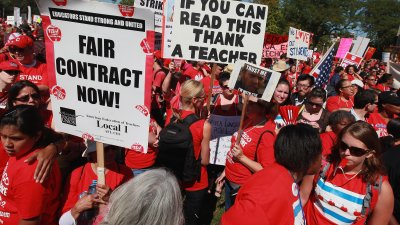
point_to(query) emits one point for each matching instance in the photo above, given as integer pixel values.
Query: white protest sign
(168, 14)
(360, 45)
(254, 80)
(218, 31)
(100, 56)
(223, 127)
(155, 6)
(17, 15)
(298, 44)
(29, 15)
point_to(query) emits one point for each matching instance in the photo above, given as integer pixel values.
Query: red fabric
(138, 160)
(3, 158)
(82, 177)
(231, 111)
(238, 173)
(350, 77)
(159, 78)
(382, 87)
(334, 103)
(47, 116)
(193, 74)
(37, 74)
(314, 217)
(23, 198)
(206, 81)
(197, 134)
(379, 124)
(4, 57)
(266, 199)
(328, 140)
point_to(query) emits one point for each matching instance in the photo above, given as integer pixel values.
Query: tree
(381, 20)
(275, 22)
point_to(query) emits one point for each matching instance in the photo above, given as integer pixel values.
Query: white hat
(91, 147)
(280, 66)
(357, 82)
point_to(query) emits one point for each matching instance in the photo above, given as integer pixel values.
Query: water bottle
(89, 214)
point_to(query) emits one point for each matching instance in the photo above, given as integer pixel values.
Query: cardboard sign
(156, 6)
(100, 56)
(369, 53)
(274, 45)
(298, 44)
(360, 44)
(17, 14)
(167, 24)
(223, 127)
(218, 31)
(351, 59)
(344, 47)
(254, 80)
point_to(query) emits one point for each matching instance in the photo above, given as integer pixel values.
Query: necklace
(344, 175)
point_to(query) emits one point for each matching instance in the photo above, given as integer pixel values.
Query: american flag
(323, 69)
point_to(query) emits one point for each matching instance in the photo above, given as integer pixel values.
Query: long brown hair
(364, 132)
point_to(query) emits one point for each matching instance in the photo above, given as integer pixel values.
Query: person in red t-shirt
(192, 98)
(370, 82)
(253, 152)
(352, 188)
(195, 72)
(31, 69)
(9, 70)
(23, 200)
(385, 82)
(77, 200)
(345, 98)
(272, 195)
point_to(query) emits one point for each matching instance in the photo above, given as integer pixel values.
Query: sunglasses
(314, 104)
(354, 151)
(12, 72)
(26, 98)
(14, 49)
(225, 87)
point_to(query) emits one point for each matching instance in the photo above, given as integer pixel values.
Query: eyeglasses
(303, 85)
(318, 105)
(26, 98)
(354, 151)
(12, 72)
(373, 79)
(14, 49)
(347, 87)
(225, 87)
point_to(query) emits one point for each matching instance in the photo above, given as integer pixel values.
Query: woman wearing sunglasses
(313, 112)
(351, 188)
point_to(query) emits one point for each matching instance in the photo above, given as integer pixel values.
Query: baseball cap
(389, 97)
(357, 82)
(22, 41)
(91, 147)
(9, 66)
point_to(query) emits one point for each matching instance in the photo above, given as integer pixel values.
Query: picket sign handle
(101, 179)
(209, 94)
(240, 131)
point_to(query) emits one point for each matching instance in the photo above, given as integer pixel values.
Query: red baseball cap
(22, 41)
(9, 66)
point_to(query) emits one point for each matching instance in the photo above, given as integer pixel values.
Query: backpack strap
(259, 140)
(324, 171)
(189, 120)
(369, 194)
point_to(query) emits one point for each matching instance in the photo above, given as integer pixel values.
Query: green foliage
(127, 2)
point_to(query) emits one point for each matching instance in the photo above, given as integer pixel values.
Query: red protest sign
(274, 45)
(369, 53)
(351, 59)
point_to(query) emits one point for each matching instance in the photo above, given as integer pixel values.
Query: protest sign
(99, 57)
(369, 53)
(351, 59)
(360, 44)
(167, 23)
(274, 45)
(17, 16)
(298, 44)
(344, 47)
(218, 31)
(254, 80)
(223, 127)
(156, 6)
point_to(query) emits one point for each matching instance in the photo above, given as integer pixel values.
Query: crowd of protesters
(337, 165)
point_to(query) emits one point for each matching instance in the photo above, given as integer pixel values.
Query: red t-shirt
(334, 103)
(381, 87)
(379, 124)
(197, 134)
(82, 177)
(206, 81)
(37, 73)
(237, 172)
(231, 111)
(270, 197)
(328, 139)
(23, 198)
(338, 200)
(139, 160)
(193, 74)
(159, 77)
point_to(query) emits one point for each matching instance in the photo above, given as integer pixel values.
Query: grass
(219, 210)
